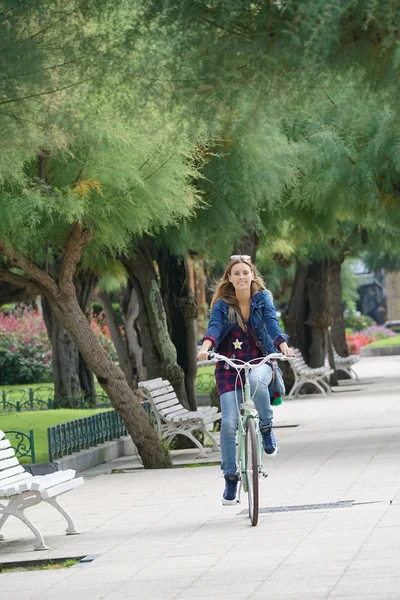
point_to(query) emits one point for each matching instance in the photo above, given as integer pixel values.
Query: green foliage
(354, 321)
(349, 284)
(113, 162)
(130, 189)
(244, 178)
(22, 363)
(236, 48)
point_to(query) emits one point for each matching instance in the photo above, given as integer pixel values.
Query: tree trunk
(319, 317)
(138, 334)
(65, 360)
(71, 376)
(112, 380)
(85, 284)
(338, 329)
(181, 307)
(143, 276)
(307, 316)
(295, 315)
(125, 361)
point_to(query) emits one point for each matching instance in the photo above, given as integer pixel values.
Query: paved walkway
(165, 535)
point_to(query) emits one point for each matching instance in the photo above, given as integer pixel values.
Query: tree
(102, 190)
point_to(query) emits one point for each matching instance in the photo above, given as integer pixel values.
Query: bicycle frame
(247, 410)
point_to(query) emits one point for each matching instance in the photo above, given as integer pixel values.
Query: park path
(330, 526)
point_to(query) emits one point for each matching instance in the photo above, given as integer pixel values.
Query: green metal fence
(81, 434)
(23, 444)
(42, 398)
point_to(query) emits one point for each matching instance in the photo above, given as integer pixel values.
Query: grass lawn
(39, 421)
(392, 341)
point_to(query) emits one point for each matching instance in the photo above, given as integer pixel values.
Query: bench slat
(22, 476)
(9, 462)
(4, 444)
(6, 453)
(172, 402)
(2, 434)
(44, 482)
(161, 391)
(169, 410)
(7, 473)
(160, 399)
(153, 384)
(61, 488)
(183, 418)
(15, 488)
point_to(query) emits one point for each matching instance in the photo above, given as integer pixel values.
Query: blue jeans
(259, 381)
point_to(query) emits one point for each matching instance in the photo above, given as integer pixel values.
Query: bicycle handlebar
(240, 364)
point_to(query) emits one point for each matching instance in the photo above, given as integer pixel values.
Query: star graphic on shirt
(237, 344)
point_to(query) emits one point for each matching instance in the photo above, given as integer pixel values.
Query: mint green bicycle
(250, 450)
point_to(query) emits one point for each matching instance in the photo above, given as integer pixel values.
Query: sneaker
(229, 495)
(270, 444)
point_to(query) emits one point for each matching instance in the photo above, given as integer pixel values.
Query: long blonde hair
(224, 289)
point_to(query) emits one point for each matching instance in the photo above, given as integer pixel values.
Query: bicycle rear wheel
(251, 468)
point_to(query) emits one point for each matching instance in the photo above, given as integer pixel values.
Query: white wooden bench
(345, 363)
(23, 490)
(304, 374)
(172, 418)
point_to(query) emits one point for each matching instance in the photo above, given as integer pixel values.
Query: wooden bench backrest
(11, 471)
(163, 397)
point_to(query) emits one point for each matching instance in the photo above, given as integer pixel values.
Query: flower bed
(357, 339)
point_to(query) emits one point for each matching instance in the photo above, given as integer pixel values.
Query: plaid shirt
(245, 349)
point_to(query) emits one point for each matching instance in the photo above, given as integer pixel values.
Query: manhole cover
(298, 507)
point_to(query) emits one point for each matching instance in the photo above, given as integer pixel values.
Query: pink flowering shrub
(356, 339)
(25, 351)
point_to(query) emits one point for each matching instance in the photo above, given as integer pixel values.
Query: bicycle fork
(249, 412)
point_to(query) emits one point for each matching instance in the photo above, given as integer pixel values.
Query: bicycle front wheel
(252, 470)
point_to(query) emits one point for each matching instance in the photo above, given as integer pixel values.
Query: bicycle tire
(251, 468)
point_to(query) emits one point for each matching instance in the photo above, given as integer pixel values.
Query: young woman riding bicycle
(243, 320)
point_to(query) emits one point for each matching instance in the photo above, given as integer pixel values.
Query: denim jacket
(262, 319)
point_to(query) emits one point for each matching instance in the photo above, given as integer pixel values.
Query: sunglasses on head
(240, 256)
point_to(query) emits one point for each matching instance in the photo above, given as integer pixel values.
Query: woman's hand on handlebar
(203, 352)
(202, 355)
(284, 348)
